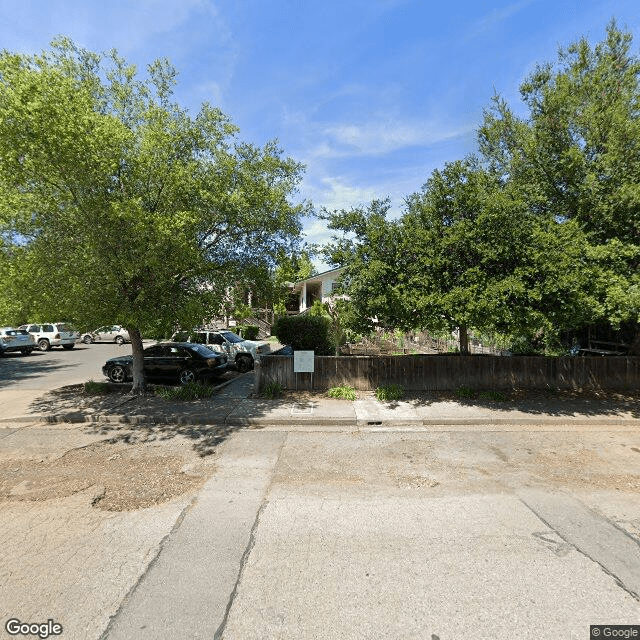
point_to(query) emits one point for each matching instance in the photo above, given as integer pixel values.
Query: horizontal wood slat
(448, 372)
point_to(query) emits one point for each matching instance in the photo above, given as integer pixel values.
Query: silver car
(16, 340)
(114, 333)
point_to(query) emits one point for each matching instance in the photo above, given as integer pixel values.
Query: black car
(177, 361)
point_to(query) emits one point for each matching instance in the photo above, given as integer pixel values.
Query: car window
(216, 339)
(156, 351)
(34, 328)
(201, 349)
(232, 337)
(115, 328)
(63, 327)
(47, 328)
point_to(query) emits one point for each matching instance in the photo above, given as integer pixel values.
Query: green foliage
(496, 396)
(248, 331)
(538, 235)
(116, 205)
(389, 393)
(345, 392)
(93, 388)
(189, 391)
(304, 333)
(272, 390)
(465, 392)
(574, 157)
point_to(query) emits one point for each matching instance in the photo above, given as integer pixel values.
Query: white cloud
(498, 16)
(376, 138)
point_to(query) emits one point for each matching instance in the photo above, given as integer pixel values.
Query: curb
(231, 421)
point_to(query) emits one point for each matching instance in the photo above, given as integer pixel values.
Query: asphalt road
(47, 370)
(306, 535)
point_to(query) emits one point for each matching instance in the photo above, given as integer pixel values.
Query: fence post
(256, 376)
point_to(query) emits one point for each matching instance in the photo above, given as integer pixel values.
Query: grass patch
(189, 391)
(390, 392)
(345, 391)
(272, 390)
(93, 388)
(465, 392)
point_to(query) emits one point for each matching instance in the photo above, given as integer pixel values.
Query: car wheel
(43, 344)
(117, 373)
(186, 376)
(68, 346)
(119, 340)
(244, 363)
(87, 339)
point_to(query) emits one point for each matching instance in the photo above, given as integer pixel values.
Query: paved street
(374, 533)
(47, 370)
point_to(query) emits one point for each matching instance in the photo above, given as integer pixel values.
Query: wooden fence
(448, 372)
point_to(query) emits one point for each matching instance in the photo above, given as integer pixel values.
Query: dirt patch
(126, 477)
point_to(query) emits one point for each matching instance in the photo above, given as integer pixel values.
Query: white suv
(52, 335)
(242, 352)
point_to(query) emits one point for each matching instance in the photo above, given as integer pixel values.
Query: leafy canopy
(117, 205)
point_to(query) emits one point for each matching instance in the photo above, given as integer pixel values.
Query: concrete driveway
(374, 533)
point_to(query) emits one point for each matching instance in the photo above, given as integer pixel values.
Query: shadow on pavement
(538, 402)
(15, 368)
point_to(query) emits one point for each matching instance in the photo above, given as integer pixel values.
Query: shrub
(189, 391)
(271, 390)
(248, 331)
(389, 393)
(345, 391)
(465, 392)
(304, 332)
(498, 396)
(96, 388)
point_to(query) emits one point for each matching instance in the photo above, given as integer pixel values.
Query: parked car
(176, 361)
(114, 333)
(243, 353)
(46, 335)
(16, 340)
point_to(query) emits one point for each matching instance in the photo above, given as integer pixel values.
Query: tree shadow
(557, 403)
(16, 368)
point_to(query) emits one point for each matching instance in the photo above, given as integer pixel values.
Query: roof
(319, 277)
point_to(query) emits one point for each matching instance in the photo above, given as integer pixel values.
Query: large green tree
(575, 156)
(465, 254)
(117, 205)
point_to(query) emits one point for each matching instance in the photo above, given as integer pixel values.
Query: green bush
(248, 331)
(96, 388)
(465, 392)
(345, 391)
(272, 390)
(189, 391)
(498, 396)
(389, 393)
(305, 333)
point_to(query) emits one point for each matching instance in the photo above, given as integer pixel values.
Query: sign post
(303, 362)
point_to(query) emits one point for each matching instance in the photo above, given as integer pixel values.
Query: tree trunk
(138, 387)
(464, 340)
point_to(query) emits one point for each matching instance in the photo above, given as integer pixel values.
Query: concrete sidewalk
(232, 405)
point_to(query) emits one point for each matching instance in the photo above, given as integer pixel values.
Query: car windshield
(64, 327)
(231, 337)
(201, 349)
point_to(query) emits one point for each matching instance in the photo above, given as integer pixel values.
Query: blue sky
(371, 95)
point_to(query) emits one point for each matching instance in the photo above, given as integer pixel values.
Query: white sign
(303, 361)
